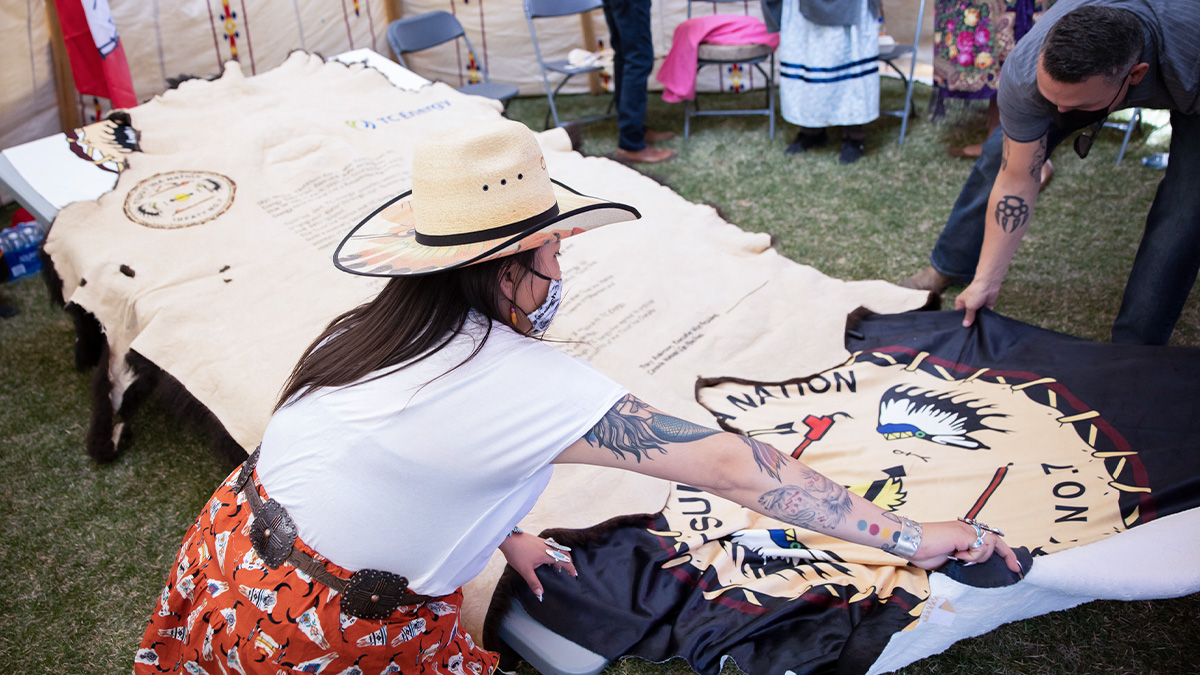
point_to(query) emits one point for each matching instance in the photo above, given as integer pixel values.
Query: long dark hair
(411, 319)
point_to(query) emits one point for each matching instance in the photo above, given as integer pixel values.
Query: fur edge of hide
(90, 345)
(107, 431)
(101, 446)
(180, 403)
(54, 283)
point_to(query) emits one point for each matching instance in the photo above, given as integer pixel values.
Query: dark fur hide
(175, 398)
(100, 445)
(91, 351)
(50, 276)
(90, 344)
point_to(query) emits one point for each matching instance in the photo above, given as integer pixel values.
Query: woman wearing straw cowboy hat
(420, 427)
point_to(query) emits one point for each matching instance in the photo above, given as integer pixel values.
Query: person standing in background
(828, 71)
(971, 40)
(633, 49)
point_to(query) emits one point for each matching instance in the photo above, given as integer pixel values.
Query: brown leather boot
(646, 155)
(928, 279)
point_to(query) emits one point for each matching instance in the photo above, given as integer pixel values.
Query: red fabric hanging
(94, 48)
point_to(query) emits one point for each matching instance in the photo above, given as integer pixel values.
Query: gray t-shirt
(1172, 48)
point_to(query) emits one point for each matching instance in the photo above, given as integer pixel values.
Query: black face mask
(1093, 120)
(1077, 119)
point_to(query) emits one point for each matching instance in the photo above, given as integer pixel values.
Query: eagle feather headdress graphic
(905, 411)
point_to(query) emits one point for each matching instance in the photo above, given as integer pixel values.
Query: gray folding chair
(889, 55)
(1135, 121)
(422, 31)
(543, 9)
(730, 55)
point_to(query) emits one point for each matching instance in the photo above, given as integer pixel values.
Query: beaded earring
(512, 315)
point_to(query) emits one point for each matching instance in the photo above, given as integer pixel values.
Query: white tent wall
(28, 109)
(169, 38)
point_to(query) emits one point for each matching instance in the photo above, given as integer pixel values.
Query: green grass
(85, 548)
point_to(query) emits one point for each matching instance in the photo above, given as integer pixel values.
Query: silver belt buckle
(273, 533)
(374, 594)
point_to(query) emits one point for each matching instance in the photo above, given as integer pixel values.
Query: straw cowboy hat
(478, 193)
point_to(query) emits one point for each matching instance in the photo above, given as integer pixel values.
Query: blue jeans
(1168, 257)
(630, 39)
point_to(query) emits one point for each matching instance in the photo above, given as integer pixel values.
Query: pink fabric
(678, 72)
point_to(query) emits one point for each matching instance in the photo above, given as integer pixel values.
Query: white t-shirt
(424, 477)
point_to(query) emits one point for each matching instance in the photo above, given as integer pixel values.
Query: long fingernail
(539, 597)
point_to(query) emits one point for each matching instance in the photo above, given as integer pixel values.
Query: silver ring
(558, 556)
(555, 545)
(978, 532)
(982, 526)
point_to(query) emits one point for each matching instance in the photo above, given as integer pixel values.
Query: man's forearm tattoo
(1012, 213)
(768, 458)
(1039, 158)
(818, 503)
(624, 432)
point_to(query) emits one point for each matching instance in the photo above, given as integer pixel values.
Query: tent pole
(64, 83)
(589, 42)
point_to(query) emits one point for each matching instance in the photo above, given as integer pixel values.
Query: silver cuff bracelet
(909, 539)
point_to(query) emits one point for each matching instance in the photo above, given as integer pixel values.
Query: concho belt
(367, 594)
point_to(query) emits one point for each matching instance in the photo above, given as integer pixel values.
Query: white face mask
(542, 316)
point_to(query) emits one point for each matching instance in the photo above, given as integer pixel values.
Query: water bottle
(19, 245)
(1156, 161)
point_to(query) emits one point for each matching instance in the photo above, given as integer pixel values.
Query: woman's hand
(954, 539)
(526, 552)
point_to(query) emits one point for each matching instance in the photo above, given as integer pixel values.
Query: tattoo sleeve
(1039, 158)
(768, 458)
(629, 434)
(1012, 213)
(623, 431)
(818, 503)
(675, 430)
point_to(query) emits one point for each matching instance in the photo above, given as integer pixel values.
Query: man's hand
(526, 552)
(1010, 210)
(978, 295)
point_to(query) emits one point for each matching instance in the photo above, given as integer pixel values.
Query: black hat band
(440, 240)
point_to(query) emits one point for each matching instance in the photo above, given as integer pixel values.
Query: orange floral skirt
(223, 611)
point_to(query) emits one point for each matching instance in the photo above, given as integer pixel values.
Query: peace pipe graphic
(817, 427)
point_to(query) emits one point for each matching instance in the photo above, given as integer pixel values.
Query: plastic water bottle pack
(19, 244)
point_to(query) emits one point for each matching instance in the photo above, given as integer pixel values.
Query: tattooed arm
(637, 437)
(1010, 208)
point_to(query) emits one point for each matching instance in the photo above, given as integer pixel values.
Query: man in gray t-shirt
(1081, 61)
